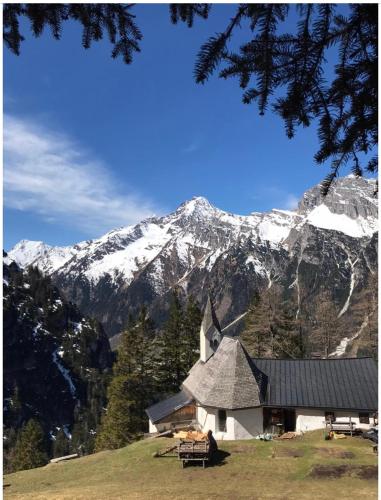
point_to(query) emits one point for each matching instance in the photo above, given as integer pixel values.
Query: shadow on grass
(219, 457)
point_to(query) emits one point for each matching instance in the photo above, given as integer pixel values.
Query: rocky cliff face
(326, 245)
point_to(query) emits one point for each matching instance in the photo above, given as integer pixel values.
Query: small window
(222, 420)
(330, 416)
(364, 418)
(276, 416)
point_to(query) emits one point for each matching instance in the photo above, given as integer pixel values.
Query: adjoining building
(238, 397)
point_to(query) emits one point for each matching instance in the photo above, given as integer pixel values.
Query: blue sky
(92, 144)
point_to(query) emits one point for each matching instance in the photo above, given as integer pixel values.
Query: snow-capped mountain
(199, 248)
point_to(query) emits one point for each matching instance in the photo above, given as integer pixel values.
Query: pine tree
(130, 390)
(170, 367)
(31, 449)
(325, 328)
(287, 72)
(271, 328)
(191, 329)
(97, 20)
(122, 422)
(61, 445)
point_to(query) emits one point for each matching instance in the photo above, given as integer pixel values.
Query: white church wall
(248, 423)
(240, 424)
(206, 418)
(344, 415)
(159, 427)
(309, 419)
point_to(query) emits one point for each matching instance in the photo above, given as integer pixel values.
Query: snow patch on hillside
(64, 371)
(322, 217)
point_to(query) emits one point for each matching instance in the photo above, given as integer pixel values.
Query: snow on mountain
(47, 258)
(199, 248)
(359, 227)
(198, 233)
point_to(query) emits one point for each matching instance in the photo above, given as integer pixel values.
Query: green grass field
(302, 468)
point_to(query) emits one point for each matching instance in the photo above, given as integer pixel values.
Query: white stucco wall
(248, 423)
(158, 427)
(309, 419)
(240, 424)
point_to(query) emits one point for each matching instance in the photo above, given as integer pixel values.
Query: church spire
(210, 332)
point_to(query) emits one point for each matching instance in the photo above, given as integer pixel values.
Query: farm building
(238, 397)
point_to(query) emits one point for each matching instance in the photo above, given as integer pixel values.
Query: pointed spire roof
(210, 322)
(228, 380)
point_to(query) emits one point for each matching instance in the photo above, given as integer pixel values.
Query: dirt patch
(242, 449)
(367, 471)
(329, 471)
(288, 452)
(335, 453)
(337, 471)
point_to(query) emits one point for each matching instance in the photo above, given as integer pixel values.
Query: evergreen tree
(271, 328)
(170, 368)
(31, 449)
(130, 390)
(288, 72)
(114, 20)
(61, 445)
(324, 332)
(191, 331)
(285, 71)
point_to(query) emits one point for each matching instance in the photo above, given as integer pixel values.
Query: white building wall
(160, 427)
(248, 423)
(240, 424)
(309, 419)
(206, 418)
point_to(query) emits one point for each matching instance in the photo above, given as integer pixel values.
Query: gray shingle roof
(164, 408)
(229, 379)
(209, 321)
(349, 383)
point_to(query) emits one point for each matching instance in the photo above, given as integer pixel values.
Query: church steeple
(210, 332)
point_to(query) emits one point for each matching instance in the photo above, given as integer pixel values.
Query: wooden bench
(341, 426)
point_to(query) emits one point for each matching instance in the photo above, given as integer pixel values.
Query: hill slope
(245, 469)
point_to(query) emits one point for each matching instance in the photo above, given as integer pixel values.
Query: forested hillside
(56, 366)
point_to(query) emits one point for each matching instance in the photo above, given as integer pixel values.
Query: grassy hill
(302, 468)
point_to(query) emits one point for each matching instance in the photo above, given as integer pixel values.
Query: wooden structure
(61, 459)
(341, 427)
(194, 451)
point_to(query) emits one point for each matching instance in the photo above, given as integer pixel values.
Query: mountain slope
(326, 244)
(55, 361)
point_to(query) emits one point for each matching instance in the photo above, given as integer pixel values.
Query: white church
(238, 397)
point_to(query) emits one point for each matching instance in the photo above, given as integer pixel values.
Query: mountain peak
(195, 204)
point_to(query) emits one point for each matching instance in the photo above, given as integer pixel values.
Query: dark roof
(229, 379)
(164, 408)
(349, 383)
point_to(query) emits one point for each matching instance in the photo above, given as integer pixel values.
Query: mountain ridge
(200, 248)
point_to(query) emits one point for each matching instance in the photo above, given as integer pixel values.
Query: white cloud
(49, 174)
